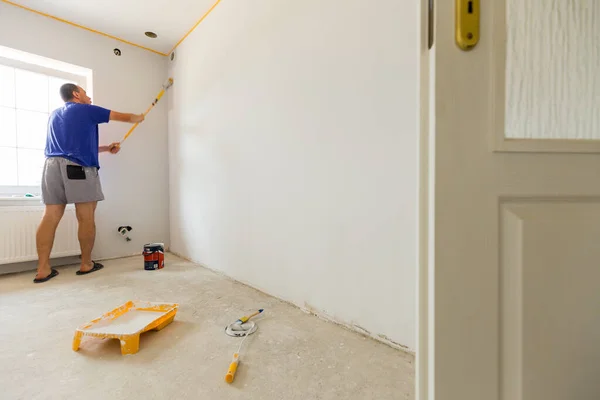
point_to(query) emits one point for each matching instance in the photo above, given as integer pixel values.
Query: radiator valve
(124, 231)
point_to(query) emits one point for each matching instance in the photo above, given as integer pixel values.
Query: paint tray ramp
(127, 323)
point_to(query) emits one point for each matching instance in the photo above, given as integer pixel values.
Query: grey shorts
(66, 182)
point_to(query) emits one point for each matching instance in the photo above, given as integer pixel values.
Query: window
(26, 100)
(29, 92)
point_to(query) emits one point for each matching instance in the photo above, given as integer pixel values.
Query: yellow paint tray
(127, 323)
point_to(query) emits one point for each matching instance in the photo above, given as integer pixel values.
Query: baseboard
(314, 311)
(26, 266)
(354, 327)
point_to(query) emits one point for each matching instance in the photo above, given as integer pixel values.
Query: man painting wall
(70, 174)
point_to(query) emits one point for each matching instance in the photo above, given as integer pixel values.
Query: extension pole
(165, 86)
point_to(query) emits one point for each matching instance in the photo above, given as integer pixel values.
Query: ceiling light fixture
(151, 35)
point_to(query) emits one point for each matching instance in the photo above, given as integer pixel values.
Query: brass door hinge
(430, 25)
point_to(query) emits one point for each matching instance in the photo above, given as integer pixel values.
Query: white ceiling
(129, 19)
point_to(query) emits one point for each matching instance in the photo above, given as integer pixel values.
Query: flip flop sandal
(53, 273)
(96, 267)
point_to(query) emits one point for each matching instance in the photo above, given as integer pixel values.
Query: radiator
(17, 234)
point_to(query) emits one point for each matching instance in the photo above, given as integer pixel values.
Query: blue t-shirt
(73, 133)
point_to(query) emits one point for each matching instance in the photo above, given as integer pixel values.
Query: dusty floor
(293, 355)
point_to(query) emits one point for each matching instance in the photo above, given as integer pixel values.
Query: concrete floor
(293, 355)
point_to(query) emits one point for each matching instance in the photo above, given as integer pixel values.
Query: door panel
(546, 85)
(552, 65)
(514, 224)
(549, 299)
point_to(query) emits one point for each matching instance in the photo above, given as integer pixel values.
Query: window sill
(7, 203)
(19, 201)
(19, 192)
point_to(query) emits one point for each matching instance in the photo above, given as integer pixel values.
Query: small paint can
(154, 256)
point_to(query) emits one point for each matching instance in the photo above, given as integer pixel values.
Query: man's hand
(112, 148)
(138, 118)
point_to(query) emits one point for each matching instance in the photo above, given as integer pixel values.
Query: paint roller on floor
(165, 86)
(240, 328)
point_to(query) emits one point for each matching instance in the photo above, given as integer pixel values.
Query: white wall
(293, 138)
(135, 181)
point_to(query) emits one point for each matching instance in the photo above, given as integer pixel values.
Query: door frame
(424, 389)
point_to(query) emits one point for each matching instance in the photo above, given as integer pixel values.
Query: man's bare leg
(86, 232)
(44, 237)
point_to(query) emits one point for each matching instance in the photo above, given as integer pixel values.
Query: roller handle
(232, 368)
(162, 92)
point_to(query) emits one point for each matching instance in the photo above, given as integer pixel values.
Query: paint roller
(238, 329)
(165, 86)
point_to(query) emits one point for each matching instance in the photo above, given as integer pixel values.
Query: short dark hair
(66, 91)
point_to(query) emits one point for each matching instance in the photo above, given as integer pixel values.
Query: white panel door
(515, 283)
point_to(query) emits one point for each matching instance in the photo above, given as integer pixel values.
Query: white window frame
(33, 63)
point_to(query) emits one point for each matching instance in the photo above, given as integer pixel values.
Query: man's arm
(123, 117)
